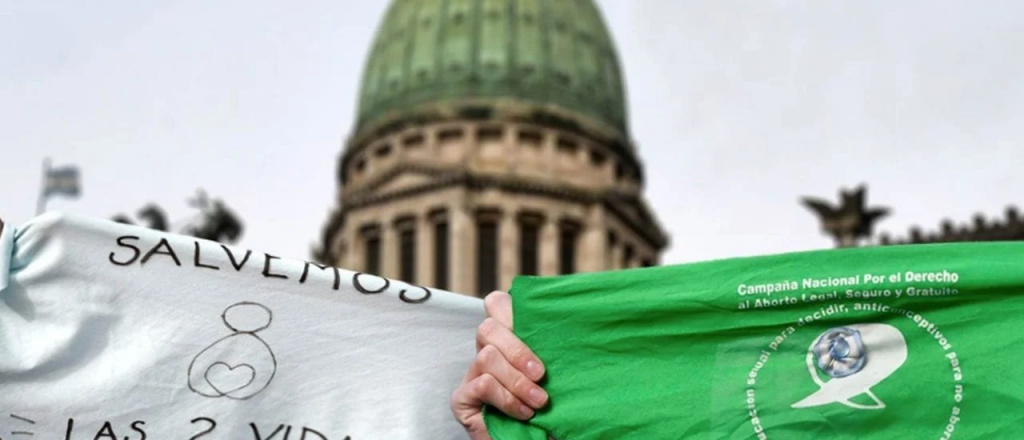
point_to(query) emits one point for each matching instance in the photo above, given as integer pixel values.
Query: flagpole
(41, 205)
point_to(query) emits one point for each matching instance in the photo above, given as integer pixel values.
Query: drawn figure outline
(240, 365)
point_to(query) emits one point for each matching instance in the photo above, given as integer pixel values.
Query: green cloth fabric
(901, 342)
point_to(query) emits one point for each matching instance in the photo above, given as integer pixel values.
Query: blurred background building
(491, 137)
(491, 140)
(851, 223)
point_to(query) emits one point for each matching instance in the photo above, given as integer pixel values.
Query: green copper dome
(553, 55)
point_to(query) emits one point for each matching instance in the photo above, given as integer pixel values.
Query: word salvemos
(130, 251)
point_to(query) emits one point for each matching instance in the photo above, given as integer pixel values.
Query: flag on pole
(58, 181)
(62, 181)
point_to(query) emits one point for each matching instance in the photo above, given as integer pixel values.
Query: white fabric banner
(117, 332)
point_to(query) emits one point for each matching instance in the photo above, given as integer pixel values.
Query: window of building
(441, 245)
(449, 134)
(490, 134)
(407, 253)
(487, 255)
(529, 244)
(627, 257)
(372, 257)
(567, 146)
(613, 241)
(647, 262)
(568, 235)
(413, 140)
(530, 137)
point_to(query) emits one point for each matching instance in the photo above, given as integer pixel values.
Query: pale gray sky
(738, 107)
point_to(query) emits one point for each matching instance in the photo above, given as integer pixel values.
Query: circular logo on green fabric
(834, 375)
(840, 352)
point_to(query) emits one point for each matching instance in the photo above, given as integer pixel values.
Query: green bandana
(903, 342)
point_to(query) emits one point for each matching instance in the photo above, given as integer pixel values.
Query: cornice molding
(620, 147)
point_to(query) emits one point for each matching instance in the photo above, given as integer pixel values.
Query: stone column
(508, 249)
(462, 247)
(592, 247)
(353, 242)
(611, 242)
(549, 246)
(616, 252)
(389, 250)
(425, 250)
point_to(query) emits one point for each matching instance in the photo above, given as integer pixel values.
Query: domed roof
(554, 55)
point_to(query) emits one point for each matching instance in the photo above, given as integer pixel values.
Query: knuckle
(484, 384)
(479, 364)
(496, 302)
(487, 355)
(486, 328)
(492, 300)
(521, 385)
(517, 354)
(510, 402)
(456, 398)
(463, 417)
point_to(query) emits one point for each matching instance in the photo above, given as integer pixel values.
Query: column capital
(403, 221)
(489, 213)
(531, 216)
(370, 230)
(570, 222)
(438, 214)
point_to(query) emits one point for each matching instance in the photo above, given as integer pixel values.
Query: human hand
(504, 373)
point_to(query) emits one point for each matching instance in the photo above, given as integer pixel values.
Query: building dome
(491, 141)
(518, 58)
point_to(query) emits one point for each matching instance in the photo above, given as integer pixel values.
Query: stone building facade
(491, 141)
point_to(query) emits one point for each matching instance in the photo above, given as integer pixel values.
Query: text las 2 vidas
(200, 427)
(130, 251)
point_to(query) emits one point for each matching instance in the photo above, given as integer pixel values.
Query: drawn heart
(226, 379)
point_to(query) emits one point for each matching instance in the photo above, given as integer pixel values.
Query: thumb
(476, 428)
(467, 406)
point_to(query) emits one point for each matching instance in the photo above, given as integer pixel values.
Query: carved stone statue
(217, 222)
(851, 220)
(153, 216)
